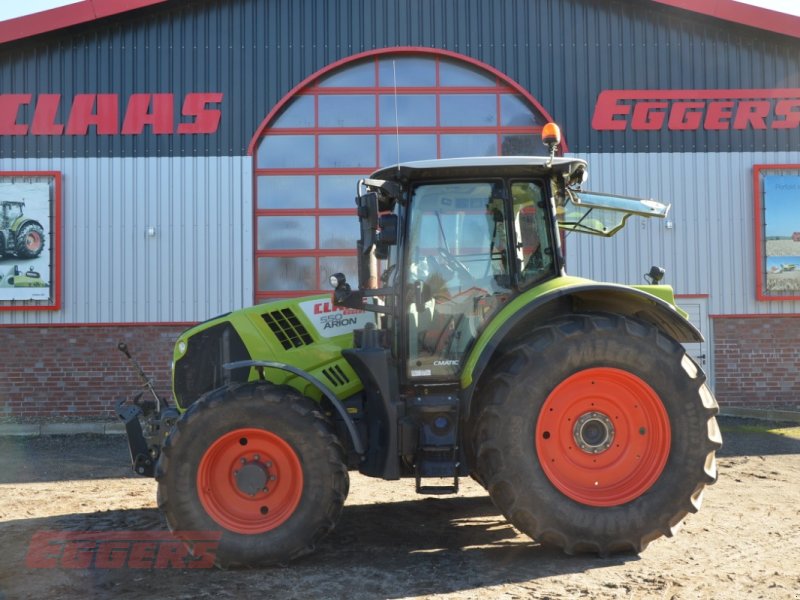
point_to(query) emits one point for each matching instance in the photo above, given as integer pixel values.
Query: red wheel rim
(603, 437)
(33, 241)
(250, 481)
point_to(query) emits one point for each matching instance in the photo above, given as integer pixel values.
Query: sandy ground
(391, 543)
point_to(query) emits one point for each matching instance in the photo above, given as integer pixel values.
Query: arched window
(342, 124)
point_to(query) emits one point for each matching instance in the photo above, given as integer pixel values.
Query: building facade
(184, 159)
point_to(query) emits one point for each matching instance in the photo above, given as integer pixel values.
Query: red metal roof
(85, 11)
(745, 14)
(66, 16)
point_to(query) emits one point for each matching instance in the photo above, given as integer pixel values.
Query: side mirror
(368, 217)
(387, 236)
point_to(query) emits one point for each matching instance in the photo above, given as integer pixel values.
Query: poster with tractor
(782, 234)
(26, 242)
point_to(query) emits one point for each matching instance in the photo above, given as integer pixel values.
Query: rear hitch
(147, 422)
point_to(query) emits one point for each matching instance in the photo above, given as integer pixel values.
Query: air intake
(287, 328)
(336, 375)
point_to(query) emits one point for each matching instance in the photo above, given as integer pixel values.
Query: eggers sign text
(690, 110)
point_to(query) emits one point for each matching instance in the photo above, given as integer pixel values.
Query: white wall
(198, 264)
(711, 247)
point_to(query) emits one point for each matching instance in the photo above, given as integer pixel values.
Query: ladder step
(438, 489)
(434, 466)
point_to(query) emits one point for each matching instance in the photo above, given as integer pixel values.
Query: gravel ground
(391, 543)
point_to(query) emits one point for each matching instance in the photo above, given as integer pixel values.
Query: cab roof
(479, 166)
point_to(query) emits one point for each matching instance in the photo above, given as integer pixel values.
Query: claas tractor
(462, 350)
(20, 236)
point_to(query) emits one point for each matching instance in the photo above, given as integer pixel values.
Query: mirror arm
(345, 296)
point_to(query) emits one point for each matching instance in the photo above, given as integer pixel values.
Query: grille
(335, 375)
(287, 328)
(201, 367)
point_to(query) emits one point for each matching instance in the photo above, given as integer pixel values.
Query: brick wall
(78, 371)
(757, 362)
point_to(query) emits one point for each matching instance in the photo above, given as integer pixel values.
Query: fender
(20, 222)
(581, 295)
(358, 445)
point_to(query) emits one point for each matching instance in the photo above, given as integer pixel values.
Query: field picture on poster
(780, 195)
(27, 237)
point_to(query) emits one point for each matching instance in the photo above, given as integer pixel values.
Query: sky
(781, 199)
(9, 9)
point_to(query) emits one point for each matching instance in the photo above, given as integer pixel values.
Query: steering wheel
(455, 264)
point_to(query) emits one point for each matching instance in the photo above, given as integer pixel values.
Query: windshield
(457, 269)
(467, 244)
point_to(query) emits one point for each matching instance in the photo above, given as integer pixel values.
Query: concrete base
(36, 429)
(765, 414)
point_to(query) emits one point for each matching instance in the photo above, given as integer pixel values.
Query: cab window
(533, 248)
(458, 271)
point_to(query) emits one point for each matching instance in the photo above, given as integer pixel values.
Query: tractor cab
(10, 211)
(463, 238)
(473, 262)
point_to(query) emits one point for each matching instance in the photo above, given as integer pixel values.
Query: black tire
(280, 434)
(30, 240)
(528, 434)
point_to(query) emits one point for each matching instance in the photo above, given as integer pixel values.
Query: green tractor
(464, 349)
(19, 236)
(16, 278)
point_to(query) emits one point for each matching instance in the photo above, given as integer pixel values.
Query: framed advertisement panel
(777, 223)
(30, 240)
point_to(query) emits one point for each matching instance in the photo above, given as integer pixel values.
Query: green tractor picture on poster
(25, 256)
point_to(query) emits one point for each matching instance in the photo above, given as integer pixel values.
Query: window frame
(318, 86)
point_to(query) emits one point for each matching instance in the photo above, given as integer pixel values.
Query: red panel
(66, 16)
(745, 14)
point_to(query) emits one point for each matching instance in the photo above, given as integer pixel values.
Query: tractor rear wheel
(597, 434)
(30, 241)
(260, 464)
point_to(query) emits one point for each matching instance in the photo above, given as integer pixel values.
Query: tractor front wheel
(597, 434)
(260, 464)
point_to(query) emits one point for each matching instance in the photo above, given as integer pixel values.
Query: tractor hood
(308, 333)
